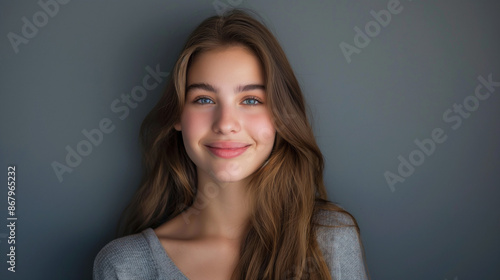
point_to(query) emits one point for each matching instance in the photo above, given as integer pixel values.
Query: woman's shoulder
(340, 243)
(125, 245)
(336, 227)
(118, 258)
(334, 218)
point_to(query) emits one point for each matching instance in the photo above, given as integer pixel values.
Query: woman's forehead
(225, 66)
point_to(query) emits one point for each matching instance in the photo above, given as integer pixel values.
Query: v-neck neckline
(160, 255)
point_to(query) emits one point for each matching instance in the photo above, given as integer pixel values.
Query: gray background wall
(441, 222)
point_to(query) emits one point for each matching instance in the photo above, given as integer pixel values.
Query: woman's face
(226, 127)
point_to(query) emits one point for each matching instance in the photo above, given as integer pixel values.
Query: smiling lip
(227, 149)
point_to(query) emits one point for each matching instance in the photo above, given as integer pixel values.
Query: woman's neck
(220, 210)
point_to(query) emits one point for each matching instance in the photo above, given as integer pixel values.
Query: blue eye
(204, 100)
(252, 101)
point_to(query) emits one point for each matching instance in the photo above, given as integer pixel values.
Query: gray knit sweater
(141, 255)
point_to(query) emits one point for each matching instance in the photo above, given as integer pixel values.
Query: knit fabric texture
(141, 255)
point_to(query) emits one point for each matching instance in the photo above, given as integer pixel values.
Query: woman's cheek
(194, 125)
(263, 129)
(197, 118)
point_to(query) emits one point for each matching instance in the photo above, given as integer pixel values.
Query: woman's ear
(177, 126)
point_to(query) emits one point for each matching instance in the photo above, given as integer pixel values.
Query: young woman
(233, 184)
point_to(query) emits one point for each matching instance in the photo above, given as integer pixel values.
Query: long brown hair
(286, 193)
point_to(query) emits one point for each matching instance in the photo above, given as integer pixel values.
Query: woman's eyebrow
(203, 86)
(240, 88)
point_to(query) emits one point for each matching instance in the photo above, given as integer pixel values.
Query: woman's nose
(226, 119)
